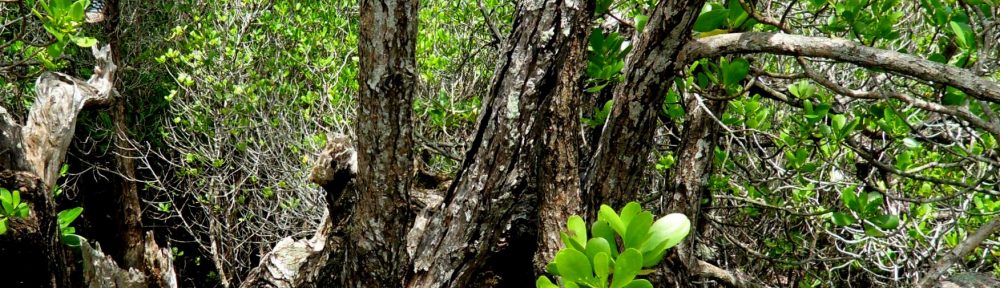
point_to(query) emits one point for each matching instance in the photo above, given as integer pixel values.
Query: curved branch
(842, 50)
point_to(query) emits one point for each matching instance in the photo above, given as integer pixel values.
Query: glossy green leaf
(602, 266)
(573, 265)
(601, 229)
(627, 265)
(608, 215)
(577, 229)
(734, 72)
(597, 245)
(544, 282)
(639, 283)
(964, 35)
(665, 233)
(629, 211)
(67, 216)
(638, 230)
(886, 222)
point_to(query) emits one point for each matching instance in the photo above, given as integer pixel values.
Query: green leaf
(886, 222)
(666, 232)
(964, 35)
(570, 243)
(72, 240)
(67, 216)
(55, 50)
(608, 215)
(640, 22)
(627, 266)
(842, 219)
(5, 200)
(3, 226)
(76, 10)
(597, 245)
(15, 199)
(873, 201)
(629, 211)
(602, 266)
(601, 229)
(850, 199)
(573, 265)
(602, 6)
(735, 71)
(544, 282)
(953, 97)
(638, 230)
(84, 42)
(710, 20)
(577, 229)
(639, 283)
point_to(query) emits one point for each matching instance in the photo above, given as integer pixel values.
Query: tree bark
(616, 172)
(688, 181)
(487, 229)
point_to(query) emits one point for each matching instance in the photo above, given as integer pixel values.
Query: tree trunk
(615, 175)
(687, 181)
(362, 242)
(487, 229)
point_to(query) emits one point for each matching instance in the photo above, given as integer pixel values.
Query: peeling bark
(616, 173)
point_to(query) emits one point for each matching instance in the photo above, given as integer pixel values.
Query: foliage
(66, 217)
(590, 261)
(12, 207)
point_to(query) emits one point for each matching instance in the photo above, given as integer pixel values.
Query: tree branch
(842, 50)
(963, 249)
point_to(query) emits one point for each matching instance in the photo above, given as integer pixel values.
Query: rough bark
(843, 50)
(387, 78)
(33, 255)
(688, 180)
(615, 174)
(485, 232)
(36, 152)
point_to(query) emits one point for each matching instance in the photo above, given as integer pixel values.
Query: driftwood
(30, 158)
(298, 263)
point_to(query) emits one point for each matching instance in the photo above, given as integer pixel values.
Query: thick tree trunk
(615, 175)
(387, 76)
(362, 241)
(486, 230)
